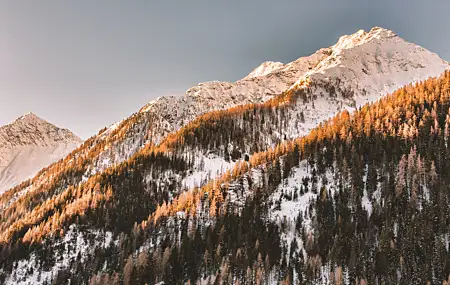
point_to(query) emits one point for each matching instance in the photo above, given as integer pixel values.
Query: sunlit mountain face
(331, 169)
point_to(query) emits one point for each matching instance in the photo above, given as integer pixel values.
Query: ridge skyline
(113, 74)
(359, 34)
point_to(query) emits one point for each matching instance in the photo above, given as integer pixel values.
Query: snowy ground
(206, 168)
(74, 243)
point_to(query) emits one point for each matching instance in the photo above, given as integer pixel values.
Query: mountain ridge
(165, 115)
(279, 76)
(118, 178)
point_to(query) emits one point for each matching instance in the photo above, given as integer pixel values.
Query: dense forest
(62, 181)
(394, 154)
(376, 213)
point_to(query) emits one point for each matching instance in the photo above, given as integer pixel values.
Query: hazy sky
(85, 64)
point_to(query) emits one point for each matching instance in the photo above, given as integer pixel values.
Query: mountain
(27, 145)
(361, 67)
(362, 199)
(125, 203)
(365, 64)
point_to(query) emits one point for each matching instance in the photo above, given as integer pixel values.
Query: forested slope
(249, 194)
(369, 193)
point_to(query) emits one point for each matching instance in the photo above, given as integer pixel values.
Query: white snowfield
(359, 69)
(29, 144)
(264, 69)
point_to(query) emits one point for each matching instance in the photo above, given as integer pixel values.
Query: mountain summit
(28, 144)
(375, 63)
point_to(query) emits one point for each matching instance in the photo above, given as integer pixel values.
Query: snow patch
(74, 244)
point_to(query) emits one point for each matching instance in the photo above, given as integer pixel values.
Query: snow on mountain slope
(359, 68)
(265, 82)
(265, 68)
(27, 145)
(73, 248)
(372, 64)
(168, 114)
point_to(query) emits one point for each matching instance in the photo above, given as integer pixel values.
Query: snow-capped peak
(31, 129)
(28, 144)
(369, 63)
(362, 37)
(27, 117)
(372, 64)
(264, 69)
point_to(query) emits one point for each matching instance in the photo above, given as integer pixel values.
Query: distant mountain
(126, 201)
(27, 145)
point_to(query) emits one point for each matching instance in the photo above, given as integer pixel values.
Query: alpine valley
(331, 169)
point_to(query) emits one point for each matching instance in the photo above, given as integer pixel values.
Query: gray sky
(85, 64)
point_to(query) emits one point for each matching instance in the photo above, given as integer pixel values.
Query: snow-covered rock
(263, 83)
(27, 145)
(264, 69)
(368, 65)
(372, 64)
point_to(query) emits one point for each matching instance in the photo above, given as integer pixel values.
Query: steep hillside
(358, 69)
(91, 195)
(363, 199)
(27, 145)
(154, 121)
